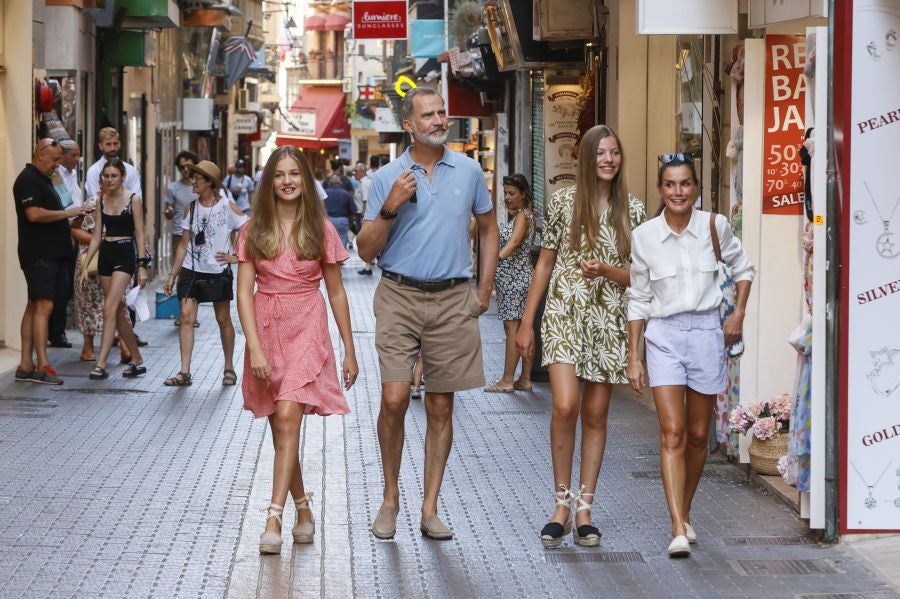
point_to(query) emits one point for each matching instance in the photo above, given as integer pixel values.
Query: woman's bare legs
(226, 332)
(566, 392)
(287, 476)
(594, 413)
(187, 318)
(670, 410)
(114, 318)
(698, 415)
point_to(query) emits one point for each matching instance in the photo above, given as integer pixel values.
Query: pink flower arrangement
(765, 418)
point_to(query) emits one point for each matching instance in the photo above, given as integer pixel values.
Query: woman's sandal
(134, 370)
(553, 533)
(520, 387)
(586, 535)
(98, 374)
(304, 532)
(496, 388)
(88, 357)
(229, 378)
(182, 379)
(270, 542)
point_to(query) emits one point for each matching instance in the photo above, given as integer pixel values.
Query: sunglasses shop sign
(379, 19)
(785, 98)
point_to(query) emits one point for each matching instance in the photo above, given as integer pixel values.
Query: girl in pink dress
(286, 249)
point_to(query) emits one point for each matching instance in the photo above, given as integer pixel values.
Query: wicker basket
(764, 455)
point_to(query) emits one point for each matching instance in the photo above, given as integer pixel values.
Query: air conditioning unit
(245, 102)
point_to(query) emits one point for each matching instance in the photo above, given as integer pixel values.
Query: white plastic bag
(137, 301)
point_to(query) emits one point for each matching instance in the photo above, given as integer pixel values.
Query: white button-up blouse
(673, 273)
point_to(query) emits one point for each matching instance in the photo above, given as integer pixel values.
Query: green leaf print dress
(584, 321)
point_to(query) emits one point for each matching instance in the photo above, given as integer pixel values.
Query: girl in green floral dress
(584, 259)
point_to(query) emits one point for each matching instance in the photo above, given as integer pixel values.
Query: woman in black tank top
(118, 232)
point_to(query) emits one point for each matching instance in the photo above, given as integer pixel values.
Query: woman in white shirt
(675, 290)
(203, 262)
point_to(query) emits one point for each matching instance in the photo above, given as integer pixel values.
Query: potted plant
(769, 421)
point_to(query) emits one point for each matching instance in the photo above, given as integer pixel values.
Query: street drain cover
(745, 541)
(609, 557)
(106, 391)
(788, 567)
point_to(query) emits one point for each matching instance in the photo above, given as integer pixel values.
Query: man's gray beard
(435, 140)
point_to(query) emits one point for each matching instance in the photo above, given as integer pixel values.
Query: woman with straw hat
(203, 262)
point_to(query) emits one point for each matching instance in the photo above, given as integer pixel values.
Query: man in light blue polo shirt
(417, 217)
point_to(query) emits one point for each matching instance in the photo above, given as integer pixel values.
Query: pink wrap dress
(292, 323)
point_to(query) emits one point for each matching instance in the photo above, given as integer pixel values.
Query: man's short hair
(334, 181)
(107, 133)
(186, 155)
(374, 161)
(406, 104)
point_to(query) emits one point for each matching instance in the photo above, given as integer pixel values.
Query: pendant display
(885, 374)
(870, 501)
(885, 245)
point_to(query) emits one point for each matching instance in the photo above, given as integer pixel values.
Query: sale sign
(785, 100)
(379, 19)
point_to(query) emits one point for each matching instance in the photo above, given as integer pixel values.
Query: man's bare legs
(438, 441)
(33, 330)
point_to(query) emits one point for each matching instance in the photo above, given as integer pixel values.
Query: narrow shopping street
(127, 488)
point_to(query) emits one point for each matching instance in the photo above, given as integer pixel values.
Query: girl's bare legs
(564, 388)
(418, 369)
(594, 413)
(287, 476)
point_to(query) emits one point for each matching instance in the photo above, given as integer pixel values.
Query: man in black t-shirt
(45, 243)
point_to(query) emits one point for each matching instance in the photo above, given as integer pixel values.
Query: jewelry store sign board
(379, 20)
(870, 439)
(783, 135)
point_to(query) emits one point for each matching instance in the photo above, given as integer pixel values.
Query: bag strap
(714, 235)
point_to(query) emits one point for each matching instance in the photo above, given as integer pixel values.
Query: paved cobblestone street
(127, 488)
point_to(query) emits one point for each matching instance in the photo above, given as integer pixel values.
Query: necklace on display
(870, 501)
(885, 245)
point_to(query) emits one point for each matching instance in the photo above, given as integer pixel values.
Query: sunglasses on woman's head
(679, 156)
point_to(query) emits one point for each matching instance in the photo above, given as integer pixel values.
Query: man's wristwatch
(387, 214)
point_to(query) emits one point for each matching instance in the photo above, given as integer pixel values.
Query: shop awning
(315, 23)
(336, 22)
(321, 111)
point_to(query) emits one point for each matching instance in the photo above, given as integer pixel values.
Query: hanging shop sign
(785, 98)
(379, 19)
(385, 121)
(560, 134)
(245, 123)
(701, 17)
(304, 121)
(870, 417)
(426, 38)
(763, 13)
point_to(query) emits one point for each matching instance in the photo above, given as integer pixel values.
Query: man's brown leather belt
(427, 286)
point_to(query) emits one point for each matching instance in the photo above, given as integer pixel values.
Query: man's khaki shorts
(443, 324)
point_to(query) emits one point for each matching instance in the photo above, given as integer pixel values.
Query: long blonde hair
(585, 219)
(307, 237)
